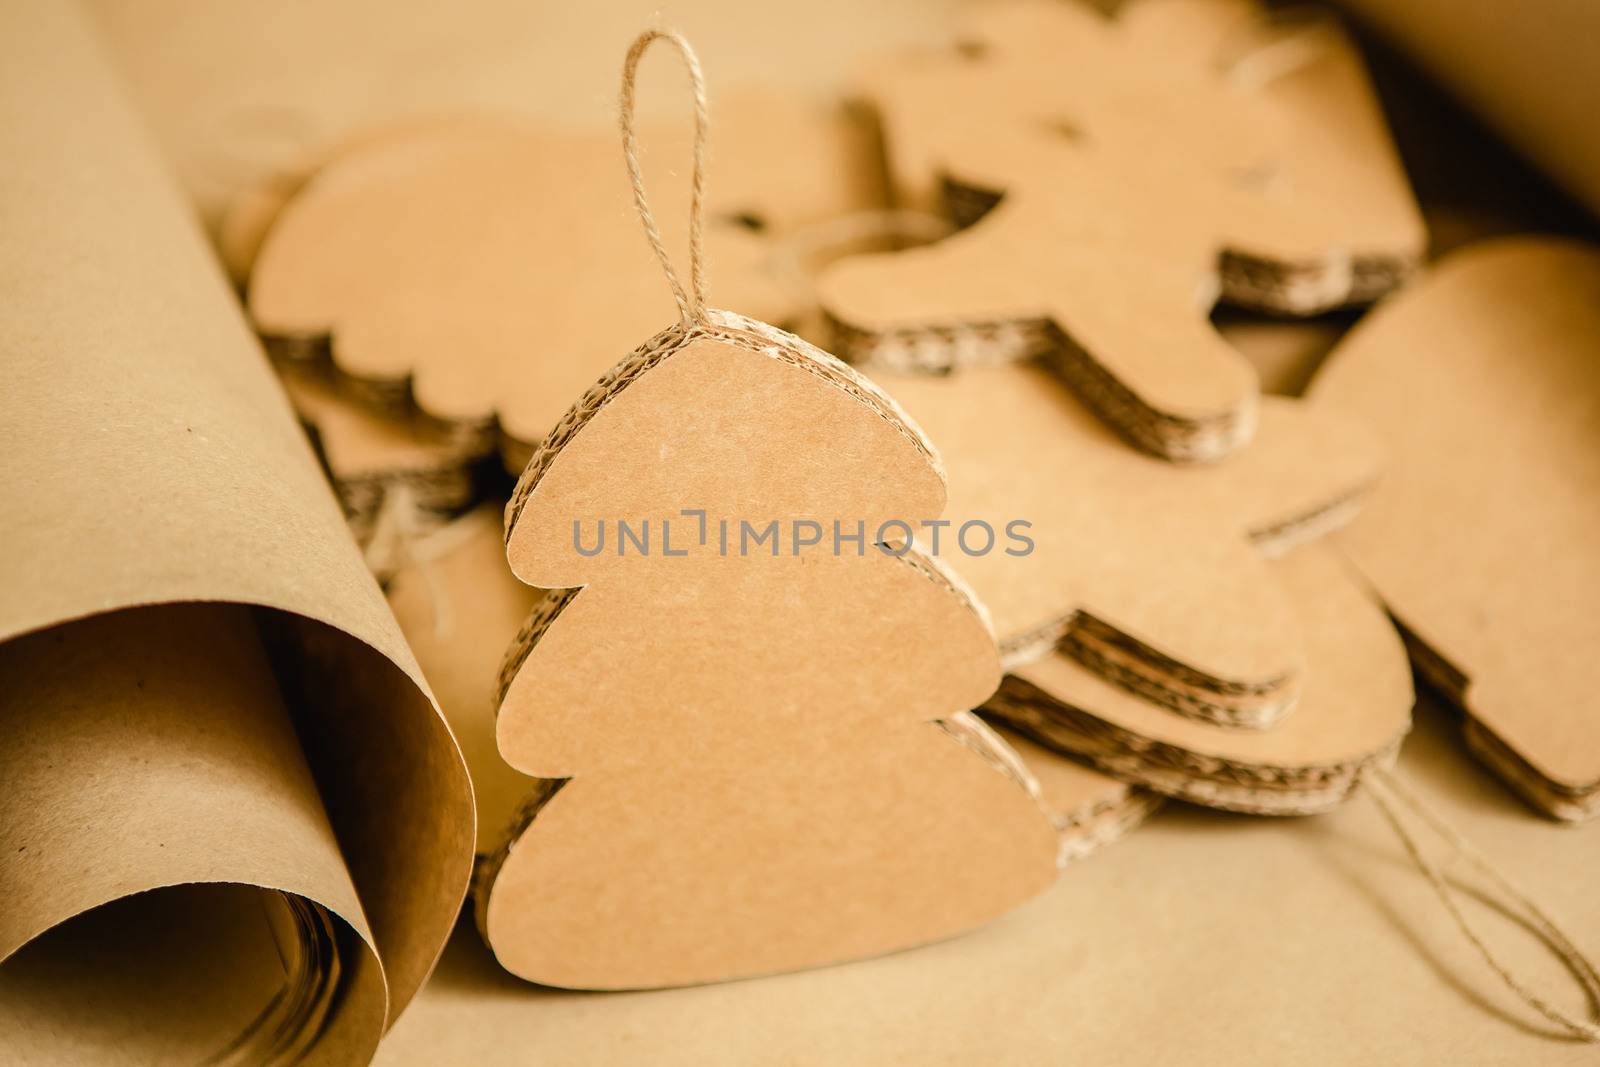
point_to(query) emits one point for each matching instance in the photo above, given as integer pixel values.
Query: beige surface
(1202, 939)
(1501, 338)
(783, 781)
(151, 458)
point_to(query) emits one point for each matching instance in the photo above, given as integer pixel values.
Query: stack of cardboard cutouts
(488, 271)
(769, 761)
(368, 456)
(1149, 572)
(1353, 710)
(1144, 627)
(232, 823)
(1484, 383)
(374, 440)
(1125, 176)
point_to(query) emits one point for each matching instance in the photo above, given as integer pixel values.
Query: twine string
(691, 302)
(1390, 794)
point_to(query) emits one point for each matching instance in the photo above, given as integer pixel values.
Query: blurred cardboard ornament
(1483, 382)
(1354, 708)
(1149, 573)
(1118, 177)
(487, 271)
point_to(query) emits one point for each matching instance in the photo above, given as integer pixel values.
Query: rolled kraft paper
(1527, 68)
(151, 458)
(147, 749)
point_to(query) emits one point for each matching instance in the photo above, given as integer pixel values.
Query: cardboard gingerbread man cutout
(1117, 182)
(768, 763)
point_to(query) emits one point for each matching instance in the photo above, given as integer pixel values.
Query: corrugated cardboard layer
(1353, 710)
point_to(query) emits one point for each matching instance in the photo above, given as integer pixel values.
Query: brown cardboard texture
(368, 455)
(1149, 572)
(152, 460)
(770, 764)
(831, 168)
(1090, 809)
(1354, 709)
(1481, 538)
(460, 606)
(1125, 176)
(493, 270)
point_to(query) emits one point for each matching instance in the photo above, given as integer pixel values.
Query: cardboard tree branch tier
(767, 756)
(1119, 176)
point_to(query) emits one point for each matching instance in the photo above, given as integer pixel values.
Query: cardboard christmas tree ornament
(1118, 179)
(1484, 383)
(1354, 709)
(766, 759)
(1148, 572)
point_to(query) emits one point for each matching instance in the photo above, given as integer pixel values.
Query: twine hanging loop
(1392, 795)
(691, 302)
